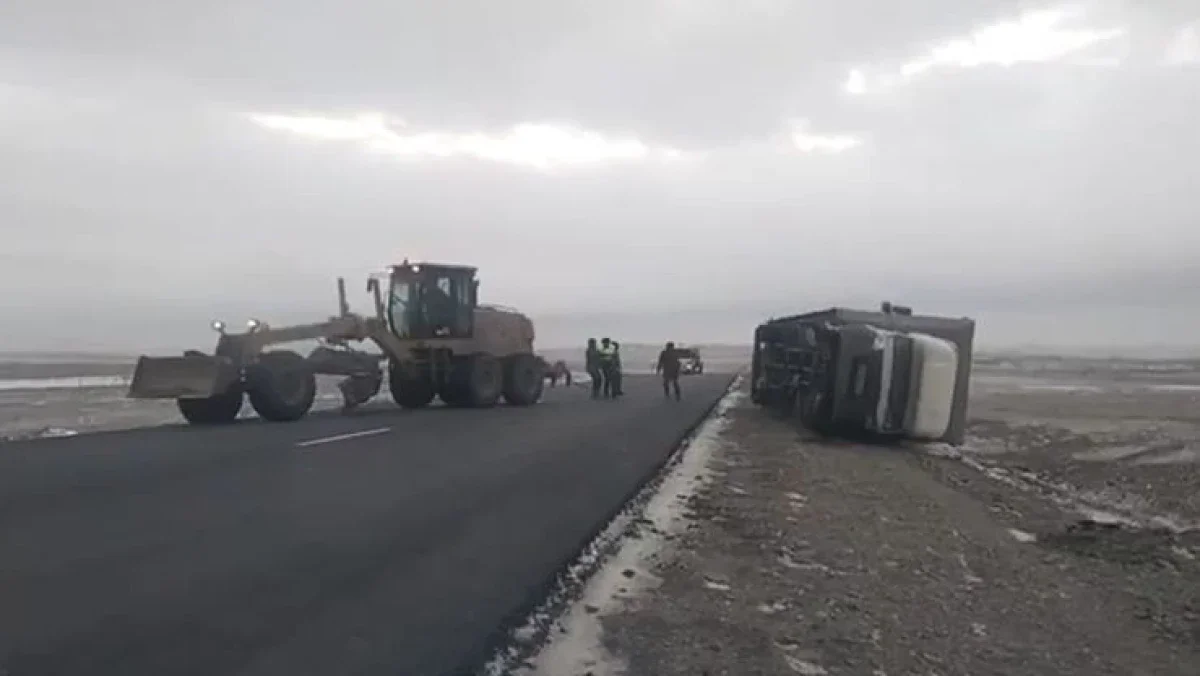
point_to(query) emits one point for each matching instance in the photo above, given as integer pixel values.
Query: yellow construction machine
(436, 340)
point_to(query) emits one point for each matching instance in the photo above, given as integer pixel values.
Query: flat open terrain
(387, 542)
(1061, 539)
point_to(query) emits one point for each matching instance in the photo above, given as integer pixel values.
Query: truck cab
(882, 374)
(893, 383)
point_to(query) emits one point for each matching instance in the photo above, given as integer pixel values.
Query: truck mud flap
(187, 377)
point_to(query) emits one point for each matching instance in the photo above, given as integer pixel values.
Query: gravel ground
(802, 556)
(1128, 444)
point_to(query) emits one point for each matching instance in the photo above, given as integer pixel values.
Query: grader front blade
(194, 376)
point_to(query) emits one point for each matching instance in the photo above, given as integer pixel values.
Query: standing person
(594, 368)
(617, 374)
(668, 366)
(607, 357)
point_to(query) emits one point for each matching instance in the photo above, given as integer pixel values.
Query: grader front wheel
(408, 390)
(281, 386)
(219, 409)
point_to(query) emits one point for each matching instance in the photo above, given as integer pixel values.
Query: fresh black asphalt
(297, 548)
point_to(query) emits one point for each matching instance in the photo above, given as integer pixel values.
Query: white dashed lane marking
(343, 437)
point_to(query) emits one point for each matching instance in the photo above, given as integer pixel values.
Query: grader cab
(435, 337)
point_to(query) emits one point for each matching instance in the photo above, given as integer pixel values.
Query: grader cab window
(399, 301)
(434, 303)
(440, 306)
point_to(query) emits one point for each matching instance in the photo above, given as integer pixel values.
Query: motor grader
(434, 340)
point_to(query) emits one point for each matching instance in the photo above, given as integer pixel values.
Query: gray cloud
(133, 184)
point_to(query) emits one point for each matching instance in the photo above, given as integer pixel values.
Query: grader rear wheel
(453, 394)
(524, 380)
(485, 381)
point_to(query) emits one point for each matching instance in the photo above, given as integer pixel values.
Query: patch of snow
(1017, 384)
(939, 450)
(1109, 454)
(1124, 509)
(1062, 387)
(804, 667)
(715, 585)
(1022, 536)
(1176, 387)
(1183, 456)
(788, 561)
(57, 432)
(44, 433)
(63, 383)
(772, 608)
(601, 572)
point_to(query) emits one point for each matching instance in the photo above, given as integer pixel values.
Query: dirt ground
(1056, 541)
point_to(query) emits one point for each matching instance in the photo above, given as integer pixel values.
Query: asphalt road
(388, 542)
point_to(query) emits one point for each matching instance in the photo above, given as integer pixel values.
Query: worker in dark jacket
(668, 365)
(616, 370)
(594, 368)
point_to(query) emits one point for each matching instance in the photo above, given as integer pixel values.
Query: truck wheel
(524, 380)
(281, 386)
(408, 391)
(815, 412)
(220, 409)
(782, 404)
(485, 381)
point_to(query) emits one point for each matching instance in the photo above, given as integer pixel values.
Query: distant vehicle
(875, 374)
(690, 361)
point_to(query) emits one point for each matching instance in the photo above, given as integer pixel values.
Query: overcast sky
(605, 164)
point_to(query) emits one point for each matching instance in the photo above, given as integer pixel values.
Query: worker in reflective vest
(594, 369)
(607, 354)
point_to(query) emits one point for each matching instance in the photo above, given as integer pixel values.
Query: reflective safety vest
(606, 353)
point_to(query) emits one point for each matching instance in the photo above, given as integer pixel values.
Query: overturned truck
(434, 339)
(882, 375)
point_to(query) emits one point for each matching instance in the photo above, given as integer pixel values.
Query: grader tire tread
(485, 381)
(524, 380)
(221, 409)
(408, 392)
(281, 386)
(454, 396)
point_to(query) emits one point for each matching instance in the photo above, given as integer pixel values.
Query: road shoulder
(809, 557)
